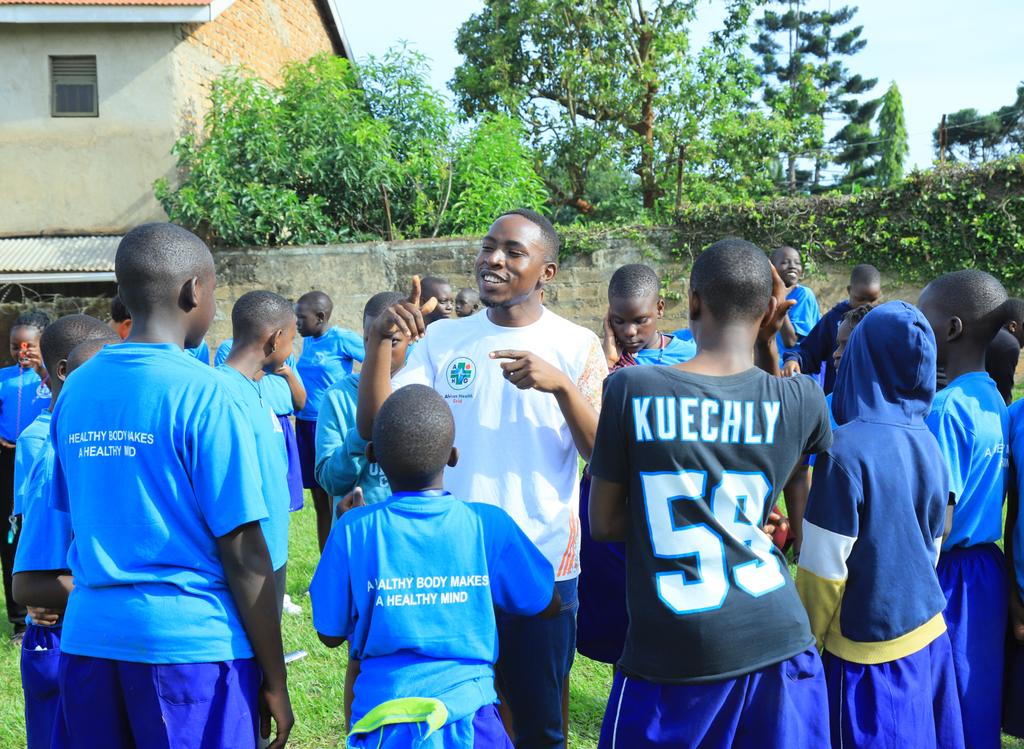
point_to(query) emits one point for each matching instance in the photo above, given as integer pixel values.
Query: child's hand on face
(528, 371)
(608, 342)
(778, 310)
(404, 318)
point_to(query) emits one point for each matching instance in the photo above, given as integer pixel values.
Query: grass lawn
(316, 683)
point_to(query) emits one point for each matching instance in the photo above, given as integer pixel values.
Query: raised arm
(776, 317)
(405, 318)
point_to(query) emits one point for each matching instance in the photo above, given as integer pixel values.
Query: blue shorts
(123, 705)
(291, 449)
(535, 657)
(910, 703)
(305, 442)
(40, 661)
(784, 706)
(975, 584)
(482, 730)
(602, 620)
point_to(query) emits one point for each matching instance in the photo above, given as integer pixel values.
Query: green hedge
(932, 223)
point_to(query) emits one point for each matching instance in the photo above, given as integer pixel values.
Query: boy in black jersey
(687, 464)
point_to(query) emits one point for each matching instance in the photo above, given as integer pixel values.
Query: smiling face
(787, 262)
(25, 344)
(635, 321)
(512, 264)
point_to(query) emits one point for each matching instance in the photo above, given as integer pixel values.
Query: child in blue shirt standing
(286, 394)
(40, 566)
(412, 584)
(327, 355)
(263, 326)
(970, 421)
(631, 338)
(24, 394)
(803, 315)
(341, 463)
(873, 527)
(171, 635)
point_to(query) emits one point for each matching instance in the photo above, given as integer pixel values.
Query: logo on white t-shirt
(461, 373)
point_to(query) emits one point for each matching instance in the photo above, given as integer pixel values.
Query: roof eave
(46, 13)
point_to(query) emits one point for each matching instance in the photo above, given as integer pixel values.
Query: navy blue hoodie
(877, 507)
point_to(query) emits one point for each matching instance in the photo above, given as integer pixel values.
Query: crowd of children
(465, 560)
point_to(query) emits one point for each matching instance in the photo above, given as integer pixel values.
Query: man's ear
(661, 307)
(955, 329)
(548, 274)
(453, 459)
(694, 304)
(321, 316)
(370, 454)
(62, 370)
(188, 299)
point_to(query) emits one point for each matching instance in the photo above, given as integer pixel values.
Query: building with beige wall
(93, 94)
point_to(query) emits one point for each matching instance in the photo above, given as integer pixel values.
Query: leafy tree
(892, 138)
(328, 157)
(599, 83)
(804, 78)
(975, 137)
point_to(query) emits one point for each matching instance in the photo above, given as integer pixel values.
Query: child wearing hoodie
(341, 463)
(872, 531)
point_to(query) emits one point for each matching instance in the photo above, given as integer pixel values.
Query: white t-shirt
(515, 448)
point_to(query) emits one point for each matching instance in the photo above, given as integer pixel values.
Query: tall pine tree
(800, 47)
(892, 138)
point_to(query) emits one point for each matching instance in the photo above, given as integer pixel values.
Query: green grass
(316, 683)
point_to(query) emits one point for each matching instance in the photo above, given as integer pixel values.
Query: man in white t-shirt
(524, 386)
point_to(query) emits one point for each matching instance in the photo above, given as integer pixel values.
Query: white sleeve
(418, 369)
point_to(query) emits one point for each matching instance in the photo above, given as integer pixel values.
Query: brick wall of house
(262, 35)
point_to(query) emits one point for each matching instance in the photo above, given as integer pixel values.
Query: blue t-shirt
(412, 584)
(1016, 412)
(684, 338)
(675, 351)
(29, 446)
(45, 532)
(324, 361)
(23, 396)
(970, 421)
(276, 391)
(270, 452)
(200, 352)
(804, 315)
(152, 472)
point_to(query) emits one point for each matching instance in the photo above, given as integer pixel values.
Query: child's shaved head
(413, 436)
(733, 279)
(259, 312)
(65, 334)
(317, 301)
(154, 261)
(634, 281)
(83, 352)
(379, 302)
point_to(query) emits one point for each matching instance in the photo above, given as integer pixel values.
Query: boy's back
(970, 421)
(412, 583)
(704, 456)
(152, 471)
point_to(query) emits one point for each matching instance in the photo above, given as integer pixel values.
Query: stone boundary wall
(352, 273)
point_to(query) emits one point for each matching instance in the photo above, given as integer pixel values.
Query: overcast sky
(943, 55)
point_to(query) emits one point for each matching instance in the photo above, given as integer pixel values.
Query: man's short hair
(733, 279)
(258, 311)
(865, 275)
(552, 242)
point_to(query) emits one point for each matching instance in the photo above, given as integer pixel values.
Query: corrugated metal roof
(57, 254)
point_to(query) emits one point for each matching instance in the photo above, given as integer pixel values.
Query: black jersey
(704, 458)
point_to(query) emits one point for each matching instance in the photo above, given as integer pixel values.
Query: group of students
(464, 558)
